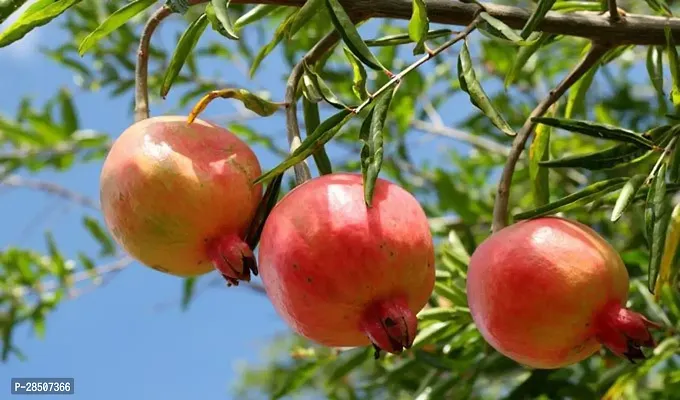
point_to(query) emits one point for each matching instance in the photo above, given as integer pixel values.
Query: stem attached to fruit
(500, 210)
(142, 67)
(233, 258)
(390, 325)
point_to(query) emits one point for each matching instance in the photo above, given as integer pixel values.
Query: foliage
(606, 154)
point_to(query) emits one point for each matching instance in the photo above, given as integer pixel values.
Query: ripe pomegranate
(548, 292)
(178, 197)
(342, 273)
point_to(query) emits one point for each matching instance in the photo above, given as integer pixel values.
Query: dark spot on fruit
(309, 280)
(391, 254)
(295, 266)
(389, 322)
(159, 268)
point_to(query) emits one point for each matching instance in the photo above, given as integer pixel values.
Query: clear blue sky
(115, 341)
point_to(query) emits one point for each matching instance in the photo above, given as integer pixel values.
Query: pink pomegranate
(344, 274)
(548, 292)
(178, 197)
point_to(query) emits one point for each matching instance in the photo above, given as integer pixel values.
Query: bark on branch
(634, 29)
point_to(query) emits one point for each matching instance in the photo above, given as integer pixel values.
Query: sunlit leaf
(350, 36)
(540, 176)
(252, 102)
(537, 16)
(221, 8)
(418, 26)
(627, 195)
(359, 76)
(37, 14)
(372, 159)
(185, 45)
(657, 218)
(600, 131)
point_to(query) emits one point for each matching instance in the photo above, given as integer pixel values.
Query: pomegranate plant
(549, 292)
(345, 274)
(178, 197)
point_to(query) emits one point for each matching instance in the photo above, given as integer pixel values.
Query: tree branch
(637, 29)
(614, 15)
(51, 188)
(500, 211)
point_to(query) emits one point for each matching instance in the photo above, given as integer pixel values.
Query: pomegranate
(344, 274)
(549, 292)
(178, 197)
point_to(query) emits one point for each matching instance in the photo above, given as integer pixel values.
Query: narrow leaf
(255, 14)
(660, 6)
(264, 208)
(310, 112)
(395, 40)
(673, 65)
(321, 88)
(347, 364)
(540, 177)
(671, 251)
(657, 218)
(500, 29)
(375, 143)
(113, 22)
(185, 45)
(8, 7)
(537, 17)
(313, 142)
(654, 64)
(221, 8)
(470, 84)
(350, 36)
(252, 102)
(577, 93)
(108, 247)
(269, 47)
(216, 24)
(582, 197)
(627, 195)
(418, 26)
(69, 116)
(600, 131)
(304, 14)
(38, 14)
(188, 288)
(674, 166)
(359, 76)
(523, 56)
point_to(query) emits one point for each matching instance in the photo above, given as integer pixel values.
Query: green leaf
(582, 197)
(394, 40)
(350, 36)
(255, 14)
(443, 313)
(657, 218)
(320, 88)
(88, 265)
(669, 266)
(215, 23)
(452, 293)
(540, 177)
(627, 195)
(221, 9)
(430, 334)
(304, 14)
(310, 112)
(113, 22)
(312, 143)
(612, 156)
(600, 131)
(660, 6)
(100, 235)
(372, 162)
(185, 45)
(536, 17)
(654, 64)
(69, 117)
(471, 86)
(347, 362)
(38, 14)
(674, 166)
(57, 259)
(523, 56)
(264, 208)
(8, 7)
(673, 65)
(296, 379)
(498, 29)
(188, 288)
(359, 75)
(269, 47)
(252, 102)
(418, 26)
(577, 93)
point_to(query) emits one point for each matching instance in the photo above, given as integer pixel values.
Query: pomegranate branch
(500, 210)
(614, 14)
(142, 67)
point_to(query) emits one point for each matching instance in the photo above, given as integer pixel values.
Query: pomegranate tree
(549, 292)
(345, 274)
(178, 197)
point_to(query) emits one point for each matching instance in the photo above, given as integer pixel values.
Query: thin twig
(614, 15)
(500, 211)
(142, 67)
(302, 173)
(51, 188)
(479, 142)
(657, 165)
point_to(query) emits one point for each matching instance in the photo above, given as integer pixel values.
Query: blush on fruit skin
(548, 292)
(343, 274)
(179, 198)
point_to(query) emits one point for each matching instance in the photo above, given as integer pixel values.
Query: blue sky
(128, 339)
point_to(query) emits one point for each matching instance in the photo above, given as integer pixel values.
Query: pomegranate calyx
(625, 332)
(390, 325)
(233, 258)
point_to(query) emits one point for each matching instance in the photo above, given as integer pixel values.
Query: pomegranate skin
(343, 274)
(548, 292)
(173, 193)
